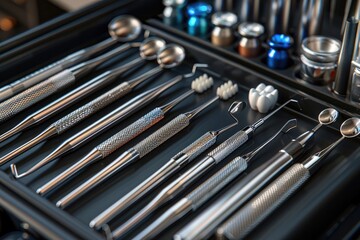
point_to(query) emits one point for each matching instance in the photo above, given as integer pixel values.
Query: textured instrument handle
(216, 182)
(162, 134)
(119, 139)
(35, 94)
(30, 80)
(198, 147)
(92, 107)
(228, 146)
(264, 203)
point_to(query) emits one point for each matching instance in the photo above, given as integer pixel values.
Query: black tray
(322, 200)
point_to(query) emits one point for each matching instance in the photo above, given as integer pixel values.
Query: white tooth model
(202, 83)
(263, 98)
(227, 90)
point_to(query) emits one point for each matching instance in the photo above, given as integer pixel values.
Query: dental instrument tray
(329, 200)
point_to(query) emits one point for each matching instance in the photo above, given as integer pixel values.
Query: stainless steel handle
(228, 146)
(216, 182)
(35, 94)
(162, 135)
(264, 203)
(30, 80)
(90, 108)
(196, 148)
(207, 222)
(155, 179)
(130, 132)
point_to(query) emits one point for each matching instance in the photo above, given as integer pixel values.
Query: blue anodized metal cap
(198, 21)
(278, 56)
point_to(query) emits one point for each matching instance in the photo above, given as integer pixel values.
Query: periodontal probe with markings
(177, 186)
(148, 50)
(141, 149)
(207, 189)
(117, 140)
(176, 163)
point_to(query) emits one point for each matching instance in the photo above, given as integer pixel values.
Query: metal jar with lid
(222, 34)
(319, 56)
(250, 43)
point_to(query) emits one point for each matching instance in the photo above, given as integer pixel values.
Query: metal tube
(342, 77)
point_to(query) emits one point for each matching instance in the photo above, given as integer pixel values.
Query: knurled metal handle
(30, 80)
(198, 147)
(162, 135)
(228, 146)
(119, 139)
(216, 182)
(35, 94)
(264, 203)
(90, 108)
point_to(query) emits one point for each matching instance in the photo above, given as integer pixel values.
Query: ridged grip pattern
(30, 80)
(161, 135)
(228, 146)
(35, 94)
(216, 182)
(90, 108)
(130, 132)
(270, 198)
(198, 147)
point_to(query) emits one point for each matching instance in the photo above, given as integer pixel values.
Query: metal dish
(316, 72)
(321, 49)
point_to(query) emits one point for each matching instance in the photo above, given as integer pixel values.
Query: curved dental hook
(289, 125)
(234, 108)
(194, 68)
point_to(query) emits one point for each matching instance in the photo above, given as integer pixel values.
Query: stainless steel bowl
(317, 72)
(321, 49)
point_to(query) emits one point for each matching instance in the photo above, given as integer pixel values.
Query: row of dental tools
(186, 179)
(121, 29)
(233, 214)
(167, 57)
(206, 223)
(207, 189)
(144, 147)
(172, 55)
(278, 191)
(61, 80)
(117, 140)
(148, 50)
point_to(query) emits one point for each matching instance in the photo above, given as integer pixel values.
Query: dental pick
(191, 175)
(179, 161)
(101, 125)
(92, 107)
(104, 149)
(147, 145)
(206, 223)
(207, 189)
(148, 50)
